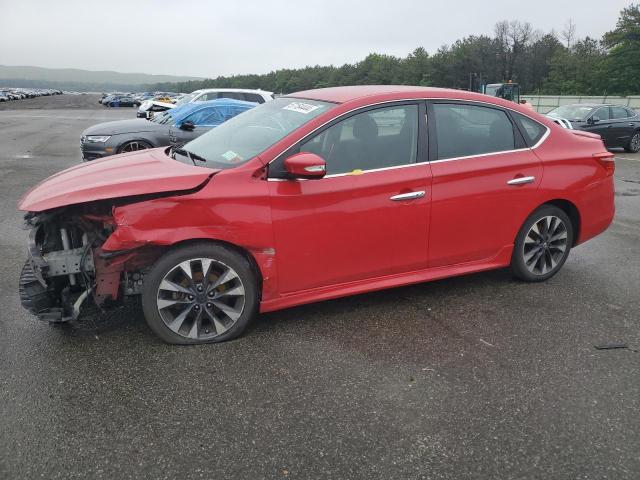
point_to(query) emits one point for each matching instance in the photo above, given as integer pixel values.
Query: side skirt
(501, 260)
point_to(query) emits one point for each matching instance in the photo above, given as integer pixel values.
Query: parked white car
(149, 107)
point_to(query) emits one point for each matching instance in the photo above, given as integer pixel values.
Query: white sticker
(301, 107)
(231, 156)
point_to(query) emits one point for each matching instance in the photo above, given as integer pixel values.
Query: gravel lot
(473, 377)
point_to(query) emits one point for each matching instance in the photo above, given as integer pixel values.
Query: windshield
(185, 99)
(243, 137)
(164, 118)
(571, 112)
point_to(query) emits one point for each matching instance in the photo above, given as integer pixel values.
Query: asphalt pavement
(467, 378)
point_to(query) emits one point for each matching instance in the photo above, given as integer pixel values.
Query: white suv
(258, 96)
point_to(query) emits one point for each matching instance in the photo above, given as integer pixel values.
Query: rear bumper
(597, 208)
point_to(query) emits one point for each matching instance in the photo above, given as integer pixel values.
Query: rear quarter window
(531, 130)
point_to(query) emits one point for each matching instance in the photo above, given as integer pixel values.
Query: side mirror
(305, 165)
(188, 126)
(594, 120)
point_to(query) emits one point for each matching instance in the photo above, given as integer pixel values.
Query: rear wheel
(542, 245)
(134, 146)
(200, 293)
(634, 144)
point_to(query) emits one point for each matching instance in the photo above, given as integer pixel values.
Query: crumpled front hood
(137, 173)
(134, 125)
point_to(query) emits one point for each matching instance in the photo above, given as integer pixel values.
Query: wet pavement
(472, 377)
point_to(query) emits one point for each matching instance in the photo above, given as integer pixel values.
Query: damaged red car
(315, 195)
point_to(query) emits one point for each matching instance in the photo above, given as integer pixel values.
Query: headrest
(365, 128)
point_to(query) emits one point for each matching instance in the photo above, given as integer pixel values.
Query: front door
(368, 217)
(600, 122)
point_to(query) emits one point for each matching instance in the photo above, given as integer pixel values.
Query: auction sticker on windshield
(301, 107)
(232, 157)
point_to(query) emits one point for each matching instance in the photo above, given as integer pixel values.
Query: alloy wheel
(133, 147)
(635, 143)
(545, 245)
(200, 298)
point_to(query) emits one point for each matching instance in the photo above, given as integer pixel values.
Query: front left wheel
(200, 293)
(134, 146)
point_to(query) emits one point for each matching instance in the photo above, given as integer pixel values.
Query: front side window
(244, 136)
(601, 114)
(465, 130)
(202, 117)
(385, 137)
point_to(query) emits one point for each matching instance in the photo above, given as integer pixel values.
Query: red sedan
(312, 196)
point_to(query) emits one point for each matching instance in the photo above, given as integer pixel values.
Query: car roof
(593, 105)
(239, 90)
(348, 94)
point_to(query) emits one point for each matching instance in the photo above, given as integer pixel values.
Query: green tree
(623, 60)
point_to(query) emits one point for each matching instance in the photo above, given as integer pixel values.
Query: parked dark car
(204, 116)
(121, 101)
(121, 136)
(618, 126)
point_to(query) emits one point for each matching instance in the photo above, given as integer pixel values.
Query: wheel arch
(572, 212)
(244, 252)
(133, 139)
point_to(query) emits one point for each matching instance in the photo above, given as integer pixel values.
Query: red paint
(137, 173)
(305, 165)
(341, 235)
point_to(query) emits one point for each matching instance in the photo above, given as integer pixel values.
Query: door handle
(521, 180)
(407, 196)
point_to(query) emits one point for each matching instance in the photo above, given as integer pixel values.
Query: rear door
(622, 126)
(368, 217)
(485, 180)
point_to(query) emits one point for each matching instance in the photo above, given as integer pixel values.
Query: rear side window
(531, 130)
(253, 97)
(619, 112)
(232, 95)
(464, 130)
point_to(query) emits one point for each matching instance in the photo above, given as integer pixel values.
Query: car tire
(134, 146)
(634, 143)
(184, 306)
(542, 244)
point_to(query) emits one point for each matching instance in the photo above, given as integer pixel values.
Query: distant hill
(83, 80)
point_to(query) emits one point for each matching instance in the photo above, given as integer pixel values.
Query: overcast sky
(210, 38)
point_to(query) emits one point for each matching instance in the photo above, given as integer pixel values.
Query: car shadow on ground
(355, 311)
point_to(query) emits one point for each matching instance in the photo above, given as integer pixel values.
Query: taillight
(607, 160)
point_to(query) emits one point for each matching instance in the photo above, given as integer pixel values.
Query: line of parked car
(191, 116)
(9, 94)
(119, 99)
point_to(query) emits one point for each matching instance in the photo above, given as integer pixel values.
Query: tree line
(542, 63)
